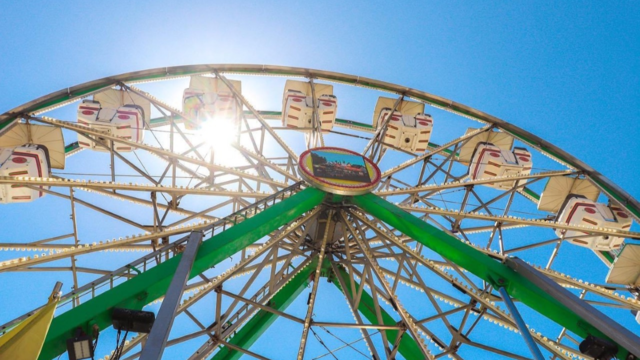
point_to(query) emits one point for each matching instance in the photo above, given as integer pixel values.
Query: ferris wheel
(278, 212)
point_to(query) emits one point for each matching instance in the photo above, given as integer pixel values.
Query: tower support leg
(537, 355)
(157, 339)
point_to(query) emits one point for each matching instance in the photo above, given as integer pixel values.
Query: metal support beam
(157, 339)
(495, 273)
(150, 285)
(407, 346)
(535, 351)
(314, 289)
(259, 323)
(612, 329)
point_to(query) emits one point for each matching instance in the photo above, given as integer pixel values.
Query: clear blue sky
(568, 71)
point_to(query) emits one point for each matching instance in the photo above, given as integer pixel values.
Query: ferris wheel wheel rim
(74, 93)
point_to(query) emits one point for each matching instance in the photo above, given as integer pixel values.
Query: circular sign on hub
(339, 171)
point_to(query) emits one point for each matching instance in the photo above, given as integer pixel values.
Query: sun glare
(219, 135)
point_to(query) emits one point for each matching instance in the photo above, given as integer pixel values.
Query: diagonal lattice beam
(495, 273)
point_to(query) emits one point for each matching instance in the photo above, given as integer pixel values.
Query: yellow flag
(24, 342)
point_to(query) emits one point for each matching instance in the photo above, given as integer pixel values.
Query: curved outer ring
(336, 188)
(70, 94)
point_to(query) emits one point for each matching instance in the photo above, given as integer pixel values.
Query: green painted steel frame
(261, 321)
(495, 273)
(408, 346)
(152, 284)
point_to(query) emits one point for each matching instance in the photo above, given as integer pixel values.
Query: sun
(220, 135)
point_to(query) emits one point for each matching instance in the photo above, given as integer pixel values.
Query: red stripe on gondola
(137, 115)
(475, 170)
(36, 157)
(575, 208)
(23, 197)
(589, 221)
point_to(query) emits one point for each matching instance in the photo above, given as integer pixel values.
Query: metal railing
(109, 281)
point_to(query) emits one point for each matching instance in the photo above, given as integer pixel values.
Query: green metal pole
(260, 322)
(495, 273)
(408, 347)
(152, 284)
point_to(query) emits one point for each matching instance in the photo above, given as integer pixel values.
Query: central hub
(339, 171)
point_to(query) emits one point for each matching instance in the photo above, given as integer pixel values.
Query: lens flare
(220, 135)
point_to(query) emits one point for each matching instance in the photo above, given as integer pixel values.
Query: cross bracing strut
(497, 315)
(109, 245)
(407, 346)
(605, 291)
(512, 220)
(495, 273)
(259, 323)
(86, 130)
(241, 315)
(96, 184)
(245, 312)
(457, 184)
(408, 321)
(152, 284)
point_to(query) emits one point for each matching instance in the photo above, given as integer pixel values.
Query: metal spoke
(314, 289)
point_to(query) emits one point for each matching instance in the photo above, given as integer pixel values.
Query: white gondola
(490, 161)
(43, 151)
(558, 188)
(29, 160)
(625, 270)
(580, 211)
(209, 98)
(626, 267)
(116, 112)
(408, 128)
(497, 138)
(297, 106)
(575, 202)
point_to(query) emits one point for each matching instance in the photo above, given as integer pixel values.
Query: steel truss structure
(421, 264)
